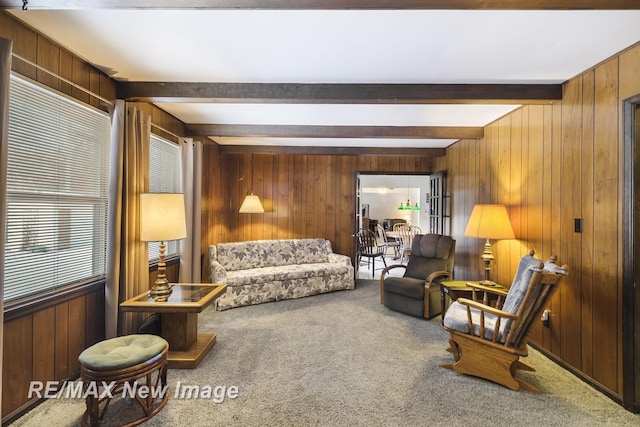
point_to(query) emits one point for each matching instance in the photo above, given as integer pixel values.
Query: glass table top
(181, 293)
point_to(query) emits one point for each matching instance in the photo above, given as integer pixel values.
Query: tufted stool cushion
(119, 361)
(121, 352)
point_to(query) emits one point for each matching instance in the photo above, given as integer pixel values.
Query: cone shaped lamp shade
(251, 204)
(489, 222)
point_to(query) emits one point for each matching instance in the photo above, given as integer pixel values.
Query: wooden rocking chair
(488, 341)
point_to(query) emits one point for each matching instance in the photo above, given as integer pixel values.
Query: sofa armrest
(217, 273)
(339, 259)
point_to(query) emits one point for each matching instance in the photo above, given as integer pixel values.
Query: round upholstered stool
(121, 367)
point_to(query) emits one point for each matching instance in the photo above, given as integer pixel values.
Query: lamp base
(161, 291)
(487, 257)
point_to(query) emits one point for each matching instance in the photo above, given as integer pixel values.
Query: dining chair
(406, 234)
(369, 248)
(388, 242)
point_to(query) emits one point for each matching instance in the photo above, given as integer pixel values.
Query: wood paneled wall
(44, 345)
(303, 195)
(550, 165)
(40, 50)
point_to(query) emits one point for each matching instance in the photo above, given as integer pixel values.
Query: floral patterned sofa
(270, 270)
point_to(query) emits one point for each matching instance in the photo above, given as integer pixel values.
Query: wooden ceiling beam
(328, 4)
(343, 151)
(287, 131)
(341, 93)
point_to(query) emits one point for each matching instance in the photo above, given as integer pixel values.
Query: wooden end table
(179, 319)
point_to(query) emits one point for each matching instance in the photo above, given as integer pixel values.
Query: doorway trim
(630, 246)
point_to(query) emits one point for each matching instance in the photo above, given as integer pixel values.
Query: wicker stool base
(151, 373)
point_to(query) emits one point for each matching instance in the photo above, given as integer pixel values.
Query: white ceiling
(340, 46)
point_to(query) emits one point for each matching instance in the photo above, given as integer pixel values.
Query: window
(57, 188)
(164, 177)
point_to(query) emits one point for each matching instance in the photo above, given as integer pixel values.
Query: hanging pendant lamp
(251, 202)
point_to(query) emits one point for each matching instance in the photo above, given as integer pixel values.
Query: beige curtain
(190, 271)
(5, 74)
(127, 262)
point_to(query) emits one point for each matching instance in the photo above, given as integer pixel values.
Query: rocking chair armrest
(491, 289)
(486, 308)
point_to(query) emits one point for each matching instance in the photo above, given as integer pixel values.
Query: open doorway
(385, 199)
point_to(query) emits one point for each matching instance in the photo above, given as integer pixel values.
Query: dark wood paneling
(551, 164)
(44, 344)
(62, 369)
(588, 230)
(571, 203)
(44, 322)
(45, 53)
(17, 362)
(163, 124)
(77, 323)
(607, 205)
(49, 58)
(42, 340)
(25, 44)
(303, 195)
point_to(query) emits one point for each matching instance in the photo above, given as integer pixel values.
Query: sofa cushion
(239, 255)
(311, 251)
(276, 252)
(284, 273)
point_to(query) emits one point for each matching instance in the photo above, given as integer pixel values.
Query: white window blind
(57, 187)
(164, 177)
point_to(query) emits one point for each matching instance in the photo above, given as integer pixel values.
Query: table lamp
(489, 222)
(162, 218)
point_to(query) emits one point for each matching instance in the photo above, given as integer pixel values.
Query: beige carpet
(342, 359)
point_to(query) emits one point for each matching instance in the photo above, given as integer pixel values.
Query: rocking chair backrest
(544, 283)
(487, 340)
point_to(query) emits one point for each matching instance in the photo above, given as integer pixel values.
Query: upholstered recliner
(417, 292)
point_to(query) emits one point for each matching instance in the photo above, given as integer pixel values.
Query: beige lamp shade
(162, 217)
(251, 204)
(489, 222)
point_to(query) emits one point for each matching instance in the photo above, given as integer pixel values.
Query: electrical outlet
(577, 225)
(545, 318)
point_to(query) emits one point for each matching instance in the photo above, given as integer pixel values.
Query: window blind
(165, 176)
(57, 188)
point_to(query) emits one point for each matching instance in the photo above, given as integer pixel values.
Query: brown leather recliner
(417, 292)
